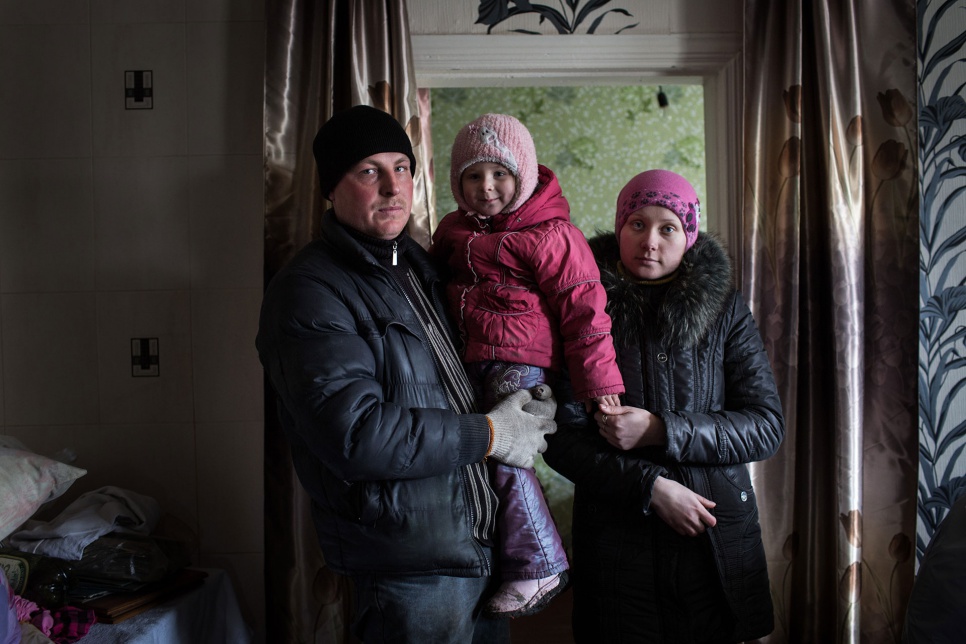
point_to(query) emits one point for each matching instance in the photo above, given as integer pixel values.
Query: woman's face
(652, 243)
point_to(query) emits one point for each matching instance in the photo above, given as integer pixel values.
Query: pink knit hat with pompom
(660, 188)
(497, 138)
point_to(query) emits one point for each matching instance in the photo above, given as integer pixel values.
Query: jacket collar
(335, 236)
(692, 302)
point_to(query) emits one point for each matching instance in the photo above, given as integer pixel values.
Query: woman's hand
(629, 427)
(686, 511)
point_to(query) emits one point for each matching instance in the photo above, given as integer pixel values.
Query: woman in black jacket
(667, 544)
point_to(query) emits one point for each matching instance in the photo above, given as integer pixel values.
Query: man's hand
(629, 427)
(518, 424)
(687, 512)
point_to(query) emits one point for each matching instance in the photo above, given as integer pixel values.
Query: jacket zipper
(465, 485)
(463, 474)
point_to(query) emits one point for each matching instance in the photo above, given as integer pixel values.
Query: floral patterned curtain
(831, 248)
(322, 56)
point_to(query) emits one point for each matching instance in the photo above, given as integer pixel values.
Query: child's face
(488, 188)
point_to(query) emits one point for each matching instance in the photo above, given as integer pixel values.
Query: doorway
(594, 138)
(592, 61)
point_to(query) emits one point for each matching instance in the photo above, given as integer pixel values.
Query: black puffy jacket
(696, 359)
(374, 440)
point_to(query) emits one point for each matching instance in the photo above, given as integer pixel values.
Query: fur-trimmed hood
(692, 303)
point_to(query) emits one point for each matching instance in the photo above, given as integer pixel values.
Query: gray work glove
(543, 405)
(518, 433)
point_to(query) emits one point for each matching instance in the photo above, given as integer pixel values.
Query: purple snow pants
(529, 545)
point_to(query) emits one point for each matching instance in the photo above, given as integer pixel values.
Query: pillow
(27, 481)
(13, 443)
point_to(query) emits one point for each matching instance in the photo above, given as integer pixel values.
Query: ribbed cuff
(475, 431)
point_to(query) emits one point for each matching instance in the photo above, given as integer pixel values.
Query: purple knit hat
(497, 138)
(660, 188)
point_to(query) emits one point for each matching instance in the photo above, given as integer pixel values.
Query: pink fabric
(70, 624)
(43, 621)
(525, 288)
(660, 188)
(25, 608)
(63, 625)
(30, 613)
(497, 138)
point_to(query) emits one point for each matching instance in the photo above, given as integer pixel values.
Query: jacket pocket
(382, 326)
(738, 476)
(502, 320)
(363, 501)
(731, 489)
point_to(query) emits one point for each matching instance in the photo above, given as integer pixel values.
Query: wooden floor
(549, 626)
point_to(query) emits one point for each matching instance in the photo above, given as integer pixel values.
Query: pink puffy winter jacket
(524, 288)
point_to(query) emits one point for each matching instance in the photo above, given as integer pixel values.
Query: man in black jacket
(372, 396)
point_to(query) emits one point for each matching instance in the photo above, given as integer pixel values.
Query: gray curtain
(323, 56)
(831, 248)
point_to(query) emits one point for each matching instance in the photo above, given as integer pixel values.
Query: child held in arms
(526, 295)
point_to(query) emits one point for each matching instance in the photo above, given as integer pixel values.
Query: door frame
(518, 60)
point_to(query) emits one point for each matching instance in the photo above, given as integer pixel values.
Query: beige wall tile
(227, 375)
(166, 316)
(137, 11)
(49, 114)
(43, 12)
(141, 223)
(49, 358)
(230, 487)
(156, 459)
(225, 85)
(226, 10)
(227, 221)
(46, 225)
(117, 48)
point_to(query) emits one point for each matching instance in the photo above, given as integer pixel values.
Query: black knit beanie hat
(351, 136)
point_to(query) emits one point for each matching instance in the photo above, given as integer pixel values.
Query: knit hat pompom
(660, 188)
(496, 138)
(350, 136)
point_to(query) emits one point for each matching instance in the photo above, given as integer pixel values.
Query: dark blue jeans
(426, 609)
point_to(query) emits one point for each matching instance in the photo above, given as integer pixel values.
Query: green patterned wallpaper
(594, 138)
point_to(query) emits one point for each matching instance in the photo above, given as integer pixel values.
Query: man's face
(375, 196)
